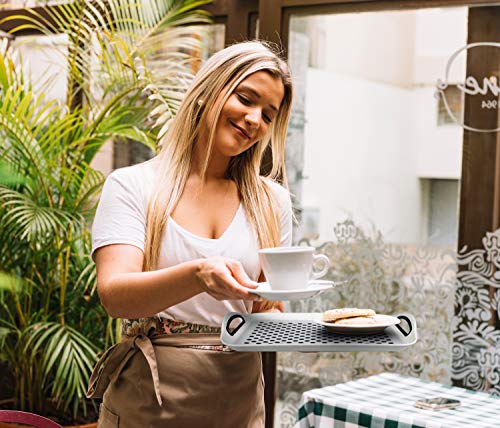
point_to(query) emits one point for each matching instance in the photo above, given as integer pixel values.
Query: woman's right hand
(225, 279)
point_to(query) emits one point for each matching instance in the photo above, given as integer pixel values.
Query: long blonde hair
(221, 74)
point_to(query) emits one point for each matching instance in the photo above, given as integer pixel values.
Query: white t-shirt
(121, 219)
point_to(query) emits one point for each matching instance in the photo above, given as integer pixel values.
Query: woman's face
(248, 113)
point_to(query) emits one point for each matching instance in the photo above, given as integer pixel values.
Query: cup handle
(326, 261)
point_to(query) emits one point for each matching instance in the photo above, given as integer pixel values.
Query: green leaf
(10, 283)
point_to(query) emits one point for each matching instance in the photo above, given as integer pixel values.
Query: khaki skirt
(162, 382)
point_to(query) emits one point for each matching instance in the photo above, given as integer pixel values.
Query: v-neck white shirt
(121, 219)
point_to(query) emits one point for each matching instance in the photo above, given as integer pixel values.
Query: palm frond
(9, 78)
(8, 175)
(87, 279)
(23, 119)
(66, 356)
(25, 220)
(10, 283)
(86, 186)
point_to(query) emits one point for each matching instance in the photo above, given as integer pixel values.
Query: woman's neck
(216, 167)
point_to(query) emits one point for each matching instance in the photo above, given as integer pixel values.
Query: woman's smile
(240, 131)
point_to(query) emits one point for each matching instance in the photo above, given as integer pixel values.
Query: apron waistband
(112, 362)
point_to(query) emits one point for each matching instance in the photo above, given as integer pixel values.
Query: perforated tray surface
(299, 332)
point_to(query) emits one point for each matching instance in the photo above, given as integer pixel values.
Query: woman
(175, 242)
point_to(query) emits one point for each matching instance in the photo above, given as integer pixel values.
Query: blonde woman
(176, 241)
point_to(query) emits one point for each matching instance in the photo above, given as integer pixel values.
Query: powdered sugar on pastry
(336, 314)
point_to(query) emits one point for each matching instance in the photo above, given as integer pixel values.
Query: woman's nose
(252, 118)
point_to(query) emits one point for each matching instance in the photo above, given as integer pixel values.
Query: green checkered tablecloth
(387, 401)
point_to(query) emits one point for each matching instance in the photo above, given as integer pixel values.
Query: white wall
(358, 156)
(44, 58)
(374, 46)
(438, 34)
(438, 148)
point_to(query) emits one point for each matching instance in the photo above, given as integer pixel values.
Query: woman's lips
(239, 130)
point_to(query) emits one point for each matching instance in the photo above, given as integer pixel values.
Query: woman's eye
(244, 100)
(248, 102)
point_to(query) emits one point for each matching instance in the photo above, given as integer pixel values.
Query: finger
(214, 290)
(235, 290)
(240, 275)
(257, 297)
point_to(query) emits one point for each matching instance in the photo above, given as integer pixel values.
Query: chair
(27, 418)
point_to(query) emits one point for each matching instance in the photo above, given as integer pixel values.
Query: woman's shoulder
(281, 193)
(141, 174)
(279, 190)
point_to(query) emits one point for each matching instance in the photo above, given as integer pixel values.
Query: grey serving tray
(274, 332)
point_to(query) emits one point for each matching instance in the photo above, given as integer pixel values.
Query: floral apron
(168, 373)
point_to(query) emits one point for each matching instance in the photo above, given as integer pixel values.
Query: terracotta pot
(9, 425)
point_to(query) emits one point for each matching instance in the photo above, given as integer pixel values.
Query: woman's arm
(127, 292)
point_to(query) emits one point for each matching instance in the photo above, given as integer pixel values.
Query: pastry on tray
(349, 316)
(357, 321)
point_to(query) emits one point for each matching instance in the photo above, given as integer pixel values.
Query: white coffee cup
(291, 268)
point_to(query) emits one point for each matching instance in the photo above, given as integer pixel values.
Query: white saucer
(314, 287)
(383, 321)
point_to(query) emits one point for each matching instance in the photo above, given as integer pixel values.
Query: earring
(200, 102)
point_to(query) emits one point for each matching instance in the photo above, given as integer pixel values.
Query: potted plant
(126, 63)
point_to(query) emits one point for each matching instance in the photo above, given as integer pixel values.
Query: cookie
(336, 314)
(356, 321)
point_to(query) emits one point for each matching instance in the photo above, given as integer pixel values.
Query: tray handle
(231, 318)
(402, 330)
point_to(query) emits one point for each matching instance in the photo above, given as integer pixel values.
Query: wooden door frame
(480, 184)
(274, 16)
(238, 16)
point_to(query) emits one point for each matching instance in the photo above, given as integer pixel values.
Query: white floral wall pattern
(476, 332)
(454, 297)
(392, 279)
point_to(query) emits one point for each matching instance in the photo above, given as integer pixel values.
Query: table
(387, 401)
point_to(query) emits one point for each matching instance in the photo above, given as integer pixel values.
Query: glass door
(374, 159)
